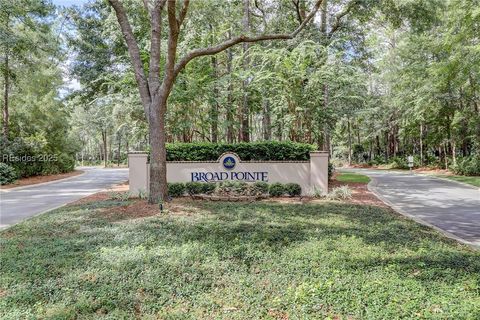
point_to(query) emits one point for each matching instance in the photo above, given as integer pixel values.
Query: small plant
(7, 174)
(340, 193)
(142, 194)
(119, 196)
(316, 192)
(208, 187)
(176, 189)
(293, 189)
(193, 187)
(200, 187)
(276, 189)
(258, 188)
(231, 188)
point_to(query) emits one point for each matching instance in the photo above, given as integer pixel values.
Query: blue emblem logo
(229, 163)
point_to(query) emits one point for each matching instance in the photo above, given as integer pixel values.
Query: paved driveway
(17, 205)
(449, 206)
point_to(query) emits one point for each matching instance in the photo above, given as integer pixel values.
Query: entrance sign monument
(311, 174)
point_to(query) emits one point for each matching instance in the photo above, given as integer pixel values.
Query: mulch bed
(360, 193)
(138, 208)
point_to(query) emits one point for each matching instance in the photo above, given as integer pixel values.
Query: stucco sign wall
(229, 167)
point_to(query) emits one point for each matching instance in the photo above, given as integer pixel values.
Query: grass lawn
(352, 177)
(472, 180)
(234, 261)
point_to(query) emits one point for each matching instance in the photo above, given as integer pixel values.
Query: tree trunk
(421, 144)
(326, 129)
(105, 148)
(267, 126)
(118, 149)
(454, 151)
(349, 142)
(6, 114)
(230, 132)
(158, 155)
(214, 109)
(245, 111)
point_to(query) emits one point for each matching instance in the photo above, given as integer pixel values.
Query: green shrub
(468, 166)
(259, 188)
(65, 163)
(233, 188)
(176, 189)
(276, 189)
(269, 150)
(193, 187)
(208, 187)
(293, 189)
(398, 163)
(33, 156)
(7, 174)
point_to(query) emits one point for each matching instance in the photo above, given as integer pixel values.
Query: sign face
(410, 161)
(226, 172)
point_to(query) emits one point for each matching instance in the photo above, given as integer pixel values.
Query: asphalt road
(449, 206)
(19, 204)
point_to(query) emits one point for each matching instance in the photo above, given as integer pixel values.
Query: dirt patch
(134, 210)
(40, 179)
(139, 208)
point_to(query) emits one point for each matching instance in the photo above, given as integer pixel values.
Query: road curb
(372, 187)
(60, 206)
(448, 180)
(42, 183)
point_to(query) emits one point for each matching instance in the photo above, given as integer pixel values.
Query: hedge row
(268, 151)
(179, 189)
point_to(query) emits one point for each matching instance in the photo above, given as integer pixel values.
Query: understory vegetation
(233, 261)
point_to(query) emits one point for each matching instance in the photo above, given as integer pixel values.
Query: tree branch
(339, 16)
(183, 12)
(173, 26)
(241, 39)
(134, 53)
(296, 4)
(155, 47)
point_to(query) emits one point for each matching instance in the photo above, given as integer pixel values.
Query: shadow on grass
(179, 249)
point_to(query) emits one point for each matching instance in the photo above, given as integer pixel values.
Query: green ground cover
(472, 180)
(352, 177)
(234, 261)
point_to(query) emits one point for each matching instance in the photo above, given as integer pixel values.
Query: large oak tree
(155, 89)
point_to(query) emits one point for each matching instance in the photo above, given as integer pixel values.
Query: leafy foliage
(7, 174)
(293, 189)
(176, 189)
(468, 166)
(34, 156)
(271, 150)
(311, 254)
(276, 189)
